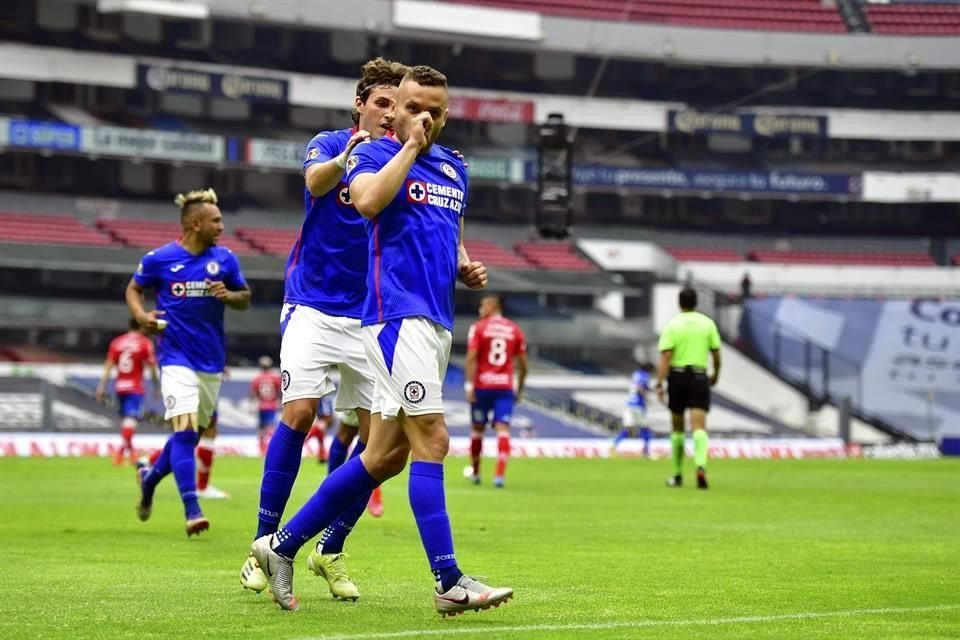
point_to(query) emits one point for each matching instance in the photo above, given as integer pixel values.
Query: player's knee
(385, 464)
(298, 415)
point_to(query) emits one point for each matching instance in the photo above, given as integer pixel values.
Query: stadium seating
(704, 254)
(492, 254)
(272, 240)
(555, 256)
(915, 19)
(25, 228)
(843, 258)
(770, 15)
(147, 234)
(955, 260)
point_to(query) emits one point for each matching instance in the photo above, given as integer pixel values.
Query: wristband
(467, 387)
(341, 160)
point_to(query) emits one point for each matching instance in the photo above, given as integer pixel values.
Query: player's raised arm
(322, 172)
(372, 192)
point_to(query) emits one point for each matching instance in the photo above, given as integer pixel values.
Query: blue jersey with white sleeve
(194, 335)
(413, 242)
(639, 383)
(327, 267)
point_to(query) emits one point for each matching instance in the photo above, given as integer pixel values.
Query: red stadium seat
(771, 15)
(555, 256)
(26, 228)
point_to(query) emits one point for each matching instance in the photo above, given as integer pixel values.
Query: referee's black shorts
(688, 388)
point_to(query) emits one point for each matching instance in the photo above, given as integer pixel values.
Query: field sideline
(594, 549)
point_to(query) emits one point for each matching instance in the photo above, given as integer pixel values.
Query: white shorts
(313, 345)
(634, 417)
(409, 359)
(186, 391)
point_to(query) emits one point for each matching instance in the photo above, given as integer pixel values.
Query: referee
(684, 344)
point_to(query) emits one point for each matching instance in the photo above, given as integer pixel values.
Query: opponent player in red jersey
(129, 353)
(265, 390)
(493, 344)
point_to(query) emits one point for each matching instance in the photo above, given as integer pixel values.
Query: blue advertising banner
(898, 360)
(760, 125)
(167, 79)
(44, 135)
(784, 182)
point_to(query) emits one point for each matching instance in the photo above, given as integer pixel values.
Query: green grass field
(593, 548)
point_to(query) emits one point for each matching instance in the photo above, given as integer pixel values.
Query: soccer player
(320, 327)
(684, 343)
(493, 344)
(194, 280)
(265, 390)
(129, 353)
(635, 411)
(412, 192)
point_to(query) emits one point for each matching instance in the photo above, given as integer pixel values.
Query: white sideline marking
(638, 624)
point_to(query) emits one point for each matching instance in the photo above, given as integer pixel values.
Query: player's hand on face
(420, 129)
(355, 139)
(218, 290)
(473, 274)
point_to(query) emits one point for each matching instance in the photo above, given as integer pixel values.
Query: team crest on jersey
(414, 392)
(170, 402)
(449, 171)
(343, 195)
(416, 191)
(179, 289)
(313, 153)
(284, 379)
(213, 267)
(352, 163)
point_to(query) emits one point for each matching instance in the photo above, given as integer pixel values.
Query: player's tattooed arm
(238, 299)
(323, 176)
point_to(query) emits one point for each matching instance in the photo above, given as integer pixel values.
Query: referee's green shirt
(691, 336)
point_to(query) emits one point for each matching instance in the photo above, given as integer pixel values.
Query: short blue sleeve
(324, 146)
(365, 159)
(147, 273)
(233, 277)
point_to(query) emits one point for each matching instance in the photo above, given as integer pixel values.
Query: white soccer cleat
(469, 595)
(279, 573)
(333, 569)
(252, 576)
(212, 493)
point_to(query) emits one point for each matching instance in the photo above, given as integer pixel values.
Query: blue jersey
(639, 383)
(327, 268)
(413, 242)
(194, 334)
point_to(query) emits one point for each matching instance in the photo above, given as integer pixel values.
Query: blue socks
(337, 454)
(645, 434)
(621, 437)
(184, 465)
(159, 471)
(336, 534)
(336, 494)
(280, 467)
(429, 507)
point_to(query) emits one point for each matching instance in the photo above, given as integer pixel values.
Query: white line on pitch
(638, 624)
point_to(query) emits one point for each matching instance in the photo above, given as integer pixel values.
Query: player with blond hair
(194, 279)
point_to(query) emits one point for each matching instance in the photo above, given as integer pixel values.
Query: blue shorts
(499, 402)
(131, 405)
(268, 419)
